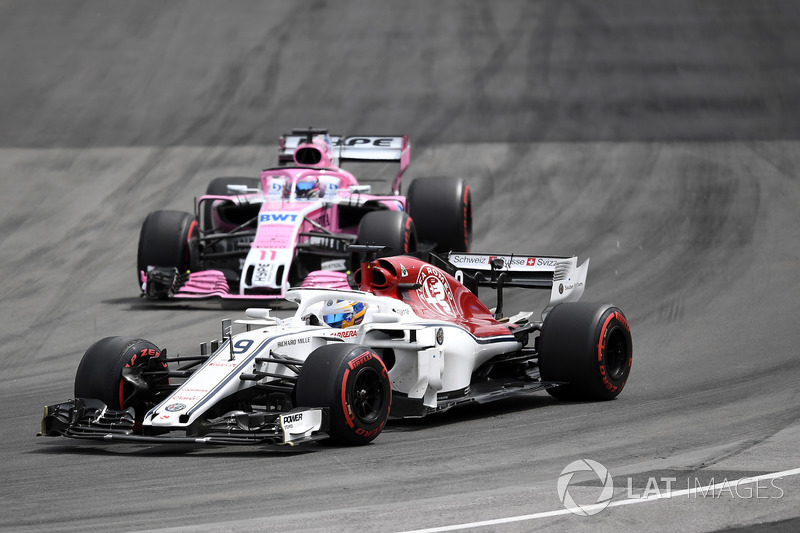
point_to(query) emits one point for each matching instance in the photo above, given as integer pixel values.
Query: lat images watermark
(655, 487)
(585, 465)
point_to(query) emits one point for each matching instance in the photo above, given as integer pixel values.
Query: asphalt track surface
(658, 138)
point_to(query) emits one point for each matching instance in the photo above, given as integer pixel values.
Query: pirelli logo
(360, 360)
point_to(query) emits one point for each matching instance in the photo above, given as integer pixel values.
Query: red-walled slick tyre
(352, 381)
(590, 347)
(168, 239)
(109, 372)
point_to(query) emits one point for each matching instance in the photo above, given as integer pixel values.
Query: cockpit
(308, 187)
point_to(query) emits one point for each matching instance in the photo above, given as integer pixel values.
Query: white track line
(630, 501)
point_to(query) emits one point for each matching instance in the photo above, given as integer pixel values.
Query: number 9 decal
(242, 346)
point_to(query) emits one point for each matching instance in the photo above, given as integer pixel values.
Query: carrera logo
(344, 334)
(267, 218)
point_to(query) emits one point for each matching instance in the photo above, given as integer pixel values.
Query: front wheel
(588, 346)
(352, 381)
(111, 371)
(167, 239)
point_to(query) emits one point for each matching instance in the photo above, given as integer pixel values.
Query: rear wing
(562, 275)
(363, 148)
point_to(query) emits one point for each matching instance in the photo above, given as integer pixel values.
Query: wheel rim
(616, 354)
(367, 396)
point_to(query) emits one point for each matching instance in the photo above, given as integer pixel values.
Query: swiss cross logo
(531, 262)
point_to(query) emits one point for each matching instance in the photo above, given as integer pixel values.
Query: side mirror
(240, 189)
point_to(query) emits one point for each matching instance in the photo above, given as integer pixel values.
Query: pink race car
(255, 238)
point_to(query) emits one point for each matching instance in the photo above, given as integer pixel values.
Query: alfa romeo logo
(435, 292)
(585, 465)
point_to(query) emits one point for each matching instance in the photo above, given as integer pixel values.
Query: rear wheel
(110, 371)
(353, 382)
(168, 239)
(442, 212)
(589, 346)
(394, 229)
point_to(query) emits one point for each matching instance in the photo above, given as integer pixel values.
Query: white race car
(413, 340)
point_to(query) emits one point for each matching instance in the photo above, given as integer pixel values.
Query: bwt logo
(266, 218)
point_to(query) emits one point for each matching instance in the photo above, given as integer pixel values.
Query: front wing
(168, 283)
(92, 419)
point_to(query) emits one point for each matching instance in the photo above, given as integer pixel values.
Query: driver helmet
(343, 313)
(307, 188)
